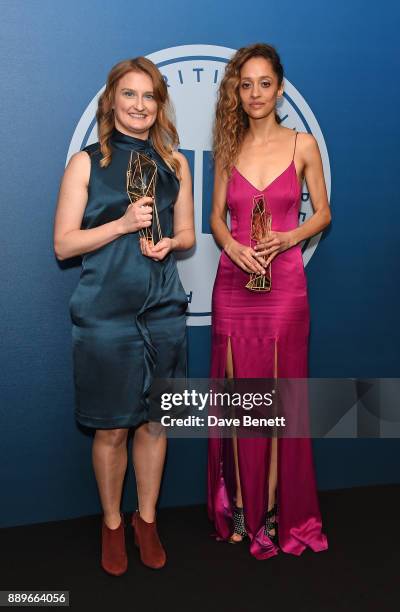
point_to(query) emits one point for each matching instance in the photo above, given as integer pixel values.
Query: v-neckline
(271, 183)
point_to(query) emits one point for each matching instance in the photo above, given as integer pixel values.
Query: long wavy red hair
(163, 132)
(231, 121)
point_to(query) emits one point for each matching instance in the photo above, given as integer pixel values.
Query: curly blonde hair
(231, 122)
(163, 133)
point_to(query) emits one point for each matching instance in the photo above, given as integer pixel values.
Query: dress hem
(123, 422)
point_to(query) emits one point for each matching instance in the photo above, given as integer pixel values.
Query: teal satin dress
(127, 311)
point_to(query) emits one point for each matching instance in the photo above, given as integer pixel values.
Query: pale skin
(266, 152)
(135, 111)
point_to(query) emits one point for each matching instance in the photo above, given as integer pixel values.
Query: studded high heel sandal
(272, 524)
(238, 525)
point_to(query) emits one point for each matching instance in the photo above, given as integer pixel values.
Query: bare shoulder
(307, 143)
(79, 163)
(303, 140)
(184, 165)
(78, 167)
(80, 159)
(180, 158)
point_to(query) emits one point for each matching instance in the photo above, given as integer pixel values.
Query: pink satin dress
(268, 333)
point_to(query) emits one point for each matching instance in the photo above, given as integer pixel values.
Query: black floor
(360, 571)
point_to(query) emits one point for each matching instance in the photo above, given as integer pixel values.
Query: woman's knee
(112, 437)
(150, 430)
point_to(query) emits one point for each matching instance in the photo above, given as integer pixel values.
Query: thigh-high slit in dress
(268, 335)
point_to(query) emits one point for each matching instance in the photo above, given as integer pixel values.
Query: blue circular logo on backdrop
(193, 74)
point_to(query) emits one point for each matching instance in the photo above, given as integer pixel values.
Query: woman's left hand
(156, 252)
(275, 243)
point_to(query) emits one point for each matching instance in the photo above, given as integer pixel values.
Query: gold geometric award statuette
(261, 221)
(141, 177)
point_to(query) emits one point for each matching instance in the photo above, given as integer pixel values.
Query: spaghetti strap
(294, 150)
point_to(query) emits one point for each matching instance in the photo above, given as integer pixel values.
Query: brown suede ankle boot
(152, 552)
(113, 552)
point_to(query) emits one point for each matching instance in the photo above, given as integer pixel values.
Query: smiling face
(135, 107)
(259, 88)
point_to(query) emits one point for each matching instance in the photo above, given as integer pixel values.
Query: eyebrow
(266, 76)
(134, 90)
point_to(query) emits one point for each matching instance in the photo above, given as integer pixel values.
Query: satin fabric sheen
(127, 311)
(269, 337)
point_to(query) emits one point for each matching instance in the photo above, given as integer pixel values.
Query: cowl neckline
(129, 143)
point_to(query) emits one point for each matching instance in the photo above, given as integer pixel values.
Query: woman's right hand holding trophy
(245, 257)
(137, 215)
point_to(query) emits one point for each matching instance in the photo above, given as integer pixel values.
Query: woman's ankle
(112, 519)
(239, 501)
(148, 515)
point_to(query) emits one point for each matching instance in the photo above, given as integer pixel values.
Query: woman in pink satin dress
(263, 488)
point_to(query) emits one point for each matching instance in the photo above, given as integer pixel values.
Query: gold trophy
(261, 221)
(141, 177)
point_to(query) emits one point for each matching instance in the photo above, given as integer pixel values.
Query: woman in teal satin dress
(128, 309)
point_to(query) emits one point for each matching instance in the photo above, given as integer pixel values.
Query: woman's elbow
(328, 216)
(212, 221)
(192, 240)
(59, 251)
